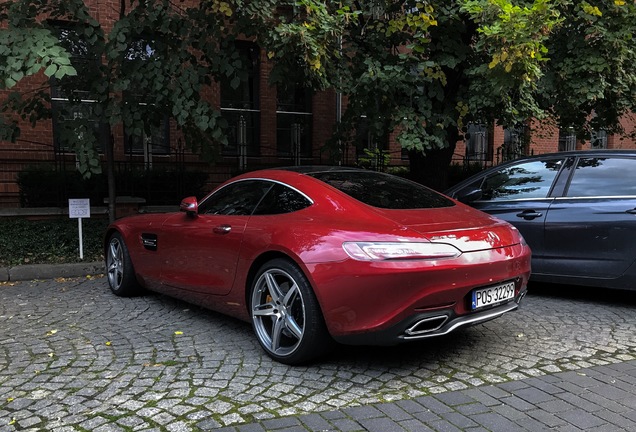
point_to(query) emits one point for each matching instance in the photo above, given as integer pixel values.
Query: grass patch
(50, 241)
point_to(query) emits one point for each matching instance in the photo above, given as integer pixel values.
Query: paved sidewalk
(601, 398)
(74, 357)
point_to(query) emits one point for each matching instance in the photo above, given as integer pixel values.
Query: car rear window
(383, 190)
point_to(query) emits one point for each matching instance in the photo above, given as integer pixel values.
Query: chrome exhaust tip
(427, 325)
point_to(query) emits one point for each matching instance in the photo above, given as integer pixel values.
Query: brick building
(489, 145)
(269, 126)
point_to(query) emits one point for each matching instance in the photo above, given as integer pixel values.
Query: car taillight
(382, 251)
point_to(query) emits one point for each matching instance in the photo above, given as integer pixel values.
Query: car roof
(314, 169)
(579, 153)
(562, 154)
(542, 156)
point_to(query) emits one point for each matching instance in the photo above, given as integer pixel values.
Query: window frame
(554, 184)
(80, 99)
(224, 190)
(243, 115)
(300, 109)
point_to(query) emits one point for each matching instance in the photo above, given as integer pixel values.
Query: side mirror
(468, 195)
(190, 206)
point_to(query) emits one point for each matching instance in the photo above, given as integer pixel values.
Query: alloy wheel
(115, 263)
(278, 312)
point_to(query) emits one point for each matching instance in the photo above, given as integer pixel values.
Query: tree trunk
(431, 169)
(108, 145)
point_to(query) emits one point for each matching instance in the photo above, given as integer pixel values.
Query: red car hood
(461, 226)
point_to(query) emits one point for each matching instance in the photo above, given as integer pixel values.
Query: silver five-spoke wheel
(278, 311)
(114, 263)
(285, 314)
(119, 267)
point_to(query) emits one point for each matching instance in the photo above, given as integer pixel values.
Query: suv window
(531, 179)
(239, 198)
(281, 199)
(604, 176)
(383, 190)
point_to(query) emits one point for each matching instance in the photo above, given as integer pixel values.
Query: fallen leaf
(12, 421)
(108, 343)
(51, 355)
(10, 399)
(178, 332)
(51, 332)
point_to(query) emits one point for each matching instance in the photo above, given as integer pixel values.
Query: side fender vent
(149, 241)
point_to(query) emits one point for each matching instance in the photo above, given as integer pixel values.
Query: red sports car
(311, 255)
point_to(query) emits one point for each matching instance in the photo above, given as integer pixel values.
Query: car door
(201, 251)
(520, 193)
(591, 230)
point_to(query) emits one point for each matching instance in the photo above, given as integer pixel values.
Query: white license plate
(493, 295)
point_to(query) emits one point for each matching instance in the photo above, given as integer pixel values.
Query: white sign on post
(79, 208)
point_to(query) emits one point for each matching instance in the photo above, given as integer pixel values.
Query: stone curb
(50, 271)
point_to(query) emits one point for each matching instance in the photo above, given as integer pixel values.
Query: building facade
(268, 126)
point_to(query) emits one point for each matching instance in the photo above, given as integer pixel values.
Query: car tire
(286, 316)
(119, 268)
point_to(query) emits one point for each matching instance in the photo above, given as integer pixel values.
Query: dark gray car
(576, 210)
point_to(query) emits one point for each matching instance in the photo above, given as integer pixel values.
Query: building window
(240, 105)
(293, 122)
(567, 139)
(477, 142)
(72, 104)
(598, 139)
(153, 141)
(152, 130)
(515, 142)
(367, 138)
(372, 144)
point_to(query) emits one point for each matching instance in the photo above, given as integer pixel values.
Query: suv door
(591, 230)
(520, 193)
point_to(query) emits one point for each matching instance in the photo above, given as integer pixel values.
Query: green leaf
(50, 70)
(9, 82)
(65, 71)
(17, 75)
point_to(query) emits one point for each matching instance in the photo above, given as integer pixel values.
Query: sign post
(79, 208)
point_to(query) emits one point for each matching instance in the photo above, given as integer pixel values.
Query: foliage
(158, 59)
(374, 158)
(422, 69)
(459, 172)
(49, 241)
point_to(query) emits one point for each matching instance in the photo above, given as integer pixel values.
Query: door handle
(529, 214)
(222, 229)
(631, 211)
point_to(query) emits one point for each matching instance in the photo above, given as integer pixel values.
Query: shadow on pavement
(577, 292)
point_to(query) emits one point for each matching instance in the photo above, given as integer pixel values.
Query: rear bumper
(431, 324)
(361, 298)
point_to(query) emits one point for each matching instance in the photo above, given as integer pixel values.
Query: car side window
(603, 176)
(281, 199)
(239, 198)
(532, 179)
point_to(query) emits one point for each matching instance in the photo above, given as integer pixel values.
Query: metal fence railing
(43, 178)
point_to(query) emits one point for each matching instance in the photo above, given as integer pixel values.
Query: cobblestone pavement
(73, 357)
